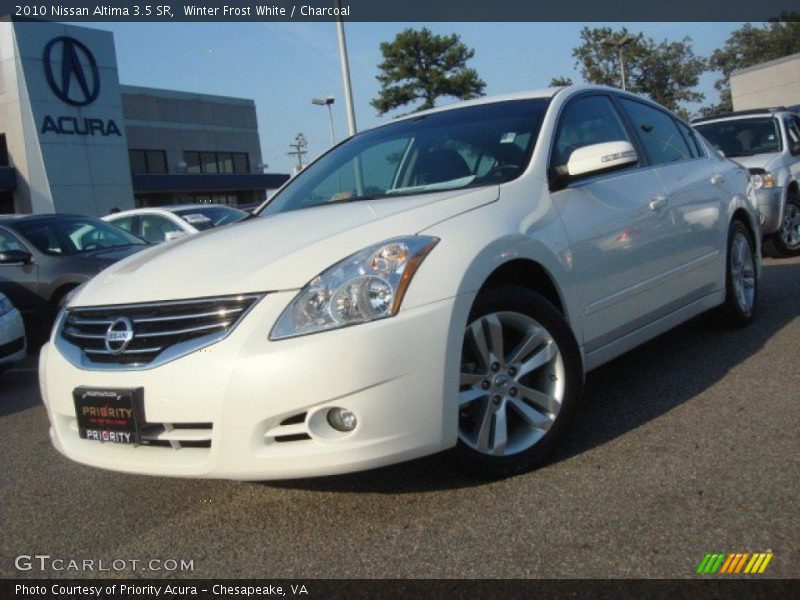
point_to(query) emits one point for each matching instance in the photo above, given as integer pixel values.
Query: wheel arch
(529, 274)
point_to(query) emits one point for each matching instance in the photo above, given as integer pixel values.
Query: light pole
(348, 91)
(619, 45)
(327, 101)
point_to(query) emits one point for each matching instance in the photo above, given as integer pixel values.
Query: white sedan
(167, 223)
(443, 281)
(12, 334)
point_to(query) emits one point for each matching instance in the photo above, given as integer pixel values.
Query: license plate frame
(113, 415)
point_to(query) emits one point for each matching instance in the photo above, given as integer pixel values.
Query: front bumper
(770, 204)
(13, 346)
(390, 373)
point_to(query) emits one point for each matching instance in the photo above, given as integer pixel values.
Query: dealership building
(773, 83)
(73, 139)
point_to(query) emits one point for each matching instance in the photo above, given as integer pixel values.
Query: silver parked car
(767, 143)
(44, 257)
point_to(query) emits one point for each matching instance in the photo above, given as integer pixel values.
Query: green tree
(750, 45)
(419, 65)
(560, 81)
(665, 71)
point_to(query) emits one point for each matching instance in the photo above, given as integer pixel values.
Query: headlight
(5, 305)
(763, 180)
(365, 286)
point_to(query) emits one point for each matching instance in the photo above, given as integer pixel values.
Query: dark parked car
(43, 257)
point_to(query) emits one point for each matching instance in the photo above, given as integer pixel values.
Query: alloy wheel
(512, 384)
(790, 230)
(743, 274)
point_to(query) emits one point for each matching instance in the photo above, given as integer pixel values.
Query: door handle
(717, 179)
(658, 202)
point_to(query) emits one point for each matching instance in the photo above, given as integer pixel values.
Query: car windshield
(207, 217)
(466, 147)
(743, 137)
(67, 236)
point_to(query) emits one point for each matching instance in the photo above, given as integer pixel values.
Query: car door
(20, 282)
(613, 223)
(694, 202)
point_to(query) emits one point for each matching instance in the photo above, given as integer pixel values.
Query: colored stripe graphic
(764, 564)
(718, 564)
(703, 563)
(727, 564)
(734, 563)
(740, 565)
(754, 563)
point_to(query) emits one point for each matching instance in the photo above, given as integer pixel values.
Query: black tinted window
(662, 141)
(587, 121)
(743, 137)
(691, 140)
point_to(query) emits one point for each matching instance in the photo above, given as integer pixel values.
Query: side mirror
(795, 149)
(174, 235)
(15, 257)
(601, 157)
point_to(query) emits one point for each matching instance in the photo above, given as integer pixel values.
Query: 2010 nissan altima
(442, 281)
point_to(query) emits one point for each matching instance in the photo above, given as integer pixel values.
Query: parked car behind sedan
(767, 142)
(44, 257)
(443, 281)
(12, 334)
(167, 223)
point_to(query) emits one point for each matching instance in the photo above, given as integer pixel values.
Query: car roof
(743, 114)
(18, 218)
(165, 210)
(550, 92)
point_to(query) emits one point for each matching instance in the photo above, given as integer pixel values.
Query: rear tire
(786, 241)
(521, 381)
(741, 282)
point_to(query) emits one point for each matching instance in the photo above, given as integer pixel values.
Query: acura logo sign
(71, 71)
(118, 335)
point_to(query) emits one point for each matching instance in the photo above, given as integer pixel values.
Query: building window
(147, 161)
(241, 163)
(192, 160)
(209, 162)
(156, 161)
(225, 162)
(216, 162)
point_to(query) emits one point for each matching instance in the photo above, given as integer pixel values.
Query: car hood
(279, 252)
(757, 161)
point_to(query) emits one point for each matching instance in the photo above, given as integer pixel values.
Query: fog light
(342, 419)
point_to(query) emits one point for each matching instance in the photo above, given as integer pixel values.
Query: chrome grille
(161, 331)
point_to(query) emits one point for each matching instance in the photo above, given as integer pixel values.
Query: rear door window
(658, 132)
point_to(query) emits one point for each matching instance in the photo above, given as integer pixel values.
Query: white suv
(767, 142)
(441, 281)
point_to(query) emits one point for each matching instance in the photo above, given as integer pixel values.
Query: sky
(282, 66)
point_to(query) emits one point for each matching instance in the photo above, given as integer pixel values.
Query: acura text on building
(75, 80)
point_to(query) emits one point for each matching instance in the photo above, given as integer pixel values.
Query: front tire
(786, 241)
(521, 380)
(741, 282)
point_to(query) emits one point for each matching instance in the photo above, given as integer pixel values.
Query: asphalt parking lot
(688, 445)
